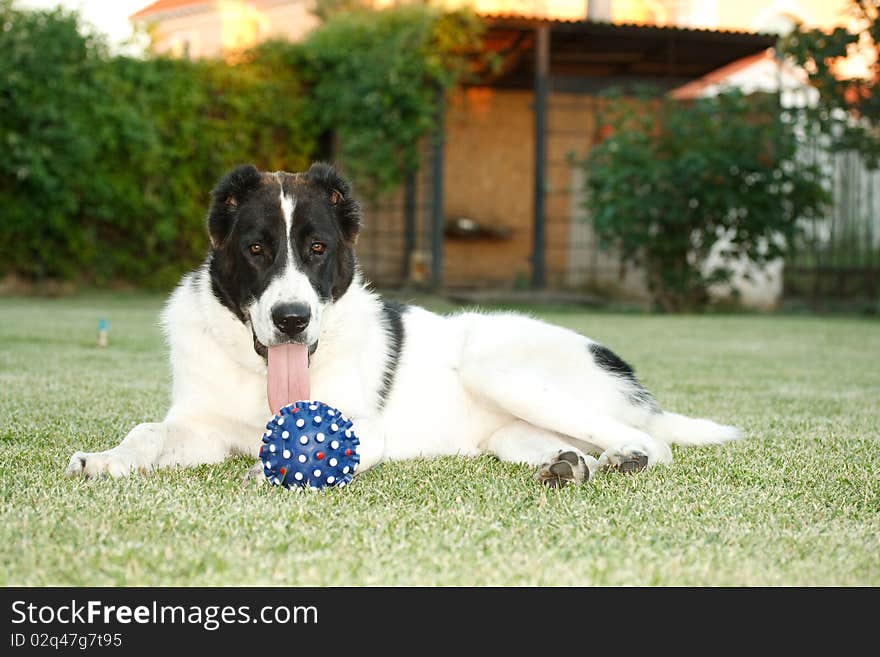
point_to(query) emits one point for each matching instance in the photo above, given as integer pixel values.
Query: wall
(488, 178)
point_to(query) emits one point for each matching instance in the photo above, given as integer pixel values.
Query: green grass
(798, 503)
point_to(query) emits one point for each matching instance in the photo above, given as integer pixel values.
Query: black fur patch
(392, 313)
(614, 364)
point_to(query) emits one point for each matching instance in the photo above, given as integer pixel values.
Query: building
(211, 28)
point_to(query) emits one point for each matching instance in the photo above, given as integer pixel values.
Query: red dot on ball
(283, 471)
(319, 455)
(348, 452)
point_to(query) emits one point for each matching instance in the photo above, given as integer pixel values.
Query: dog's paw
(625, 459)
(112, 463)
(254, 474)
(567, 467)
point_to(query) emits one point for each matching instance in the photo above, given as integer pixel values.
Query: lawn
(797, 503)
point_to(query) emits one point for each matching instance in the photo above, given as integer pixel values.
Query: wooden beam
(541, 85)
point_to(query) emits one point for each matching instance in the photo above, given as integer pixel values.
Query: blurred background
(667, 154)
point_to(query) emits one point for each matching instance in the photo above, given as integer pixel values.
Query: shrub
(672, 178)
(109, 160)
(375, 77)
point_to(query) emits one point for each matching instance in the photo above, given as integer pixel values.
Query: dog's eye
(256, 249)
(317, 248)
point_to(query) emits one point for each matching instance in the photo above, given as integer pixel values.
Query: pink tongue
(288, 379)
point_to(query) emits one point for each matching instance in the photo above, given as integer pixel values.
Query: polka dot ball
(309, 461)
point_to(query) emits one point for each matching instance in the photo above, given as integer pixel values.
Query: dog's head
(282, 249)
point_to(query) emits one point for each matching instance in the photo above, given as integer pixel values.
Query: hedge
(108, 160)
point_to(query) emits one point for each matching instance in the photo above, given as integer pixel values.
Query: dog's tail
(683, 430)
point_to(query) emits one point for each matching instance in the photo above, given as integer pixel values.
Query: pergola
(586, 57)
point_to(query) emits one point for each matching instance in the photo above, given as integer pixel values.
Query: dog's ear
(338, 191)
(226, 198)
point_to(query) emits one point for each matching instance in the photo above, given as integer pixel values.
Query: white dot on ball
(271, 448)
(312, 407)
(285, 434)
(330, 480)
(298, 476)
(300, 422)
(276, 481)
(303, 440)
(267, 464)
(334, 427)
(286, 453)
(334, 444)
(301, 458)
(348, 433)
(268, 433)
(345, 470)
(317, 473)
(320, 437)
(332, 463)
(330, 412)
(280, 421)
(317, 419)
(341, 484)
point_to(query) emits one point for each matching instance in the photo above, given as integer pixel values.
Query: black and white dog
(282, 269)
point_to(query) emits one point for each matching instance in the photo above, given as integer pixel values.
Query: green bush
(375, 77)
(673, 177)
(109, 160)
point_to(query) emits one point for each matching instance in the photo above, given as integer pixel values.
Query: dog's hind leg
(542, 404)
(559, 462)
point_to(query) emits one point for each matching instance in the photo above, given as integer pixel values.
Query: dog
(282, 270)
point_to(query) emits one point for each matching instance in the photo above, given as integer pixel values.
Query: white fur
(467, 384)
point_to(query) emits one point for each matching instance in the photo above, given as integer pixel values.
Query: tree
(374, 79)
(673, 178)
(848, 111)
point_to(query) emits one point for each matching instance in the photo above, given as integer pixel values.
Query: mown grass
(797, 503)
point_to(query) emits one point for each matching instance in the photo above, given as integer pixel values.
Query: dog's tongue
(288, 379)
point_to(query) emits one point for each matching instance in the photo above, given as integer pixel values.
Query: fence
(837, 257)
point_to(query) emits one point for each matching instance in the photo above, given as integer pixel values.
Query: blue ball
(309, 444)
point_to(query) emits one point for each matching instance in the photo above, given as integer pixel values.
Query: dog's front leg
(162, 444)
(139, 450)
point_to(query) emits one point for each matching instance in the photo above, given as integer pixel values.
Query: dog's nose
(291, 318)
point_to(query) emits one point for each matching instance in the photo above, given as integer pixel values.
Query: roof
(696, 87)
(587, 56)
(165, 6)
(525, 19)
